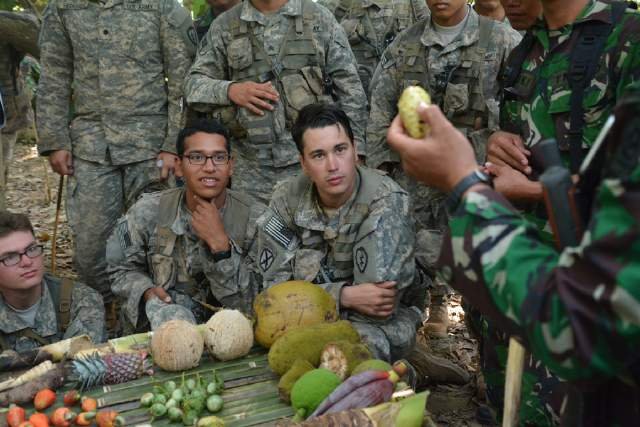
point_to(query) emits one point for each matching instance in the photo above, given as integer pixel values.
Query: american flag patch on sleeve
(279, 232)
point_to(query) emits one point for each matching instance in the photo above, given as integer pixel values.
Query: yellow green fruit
(311, 389)
(307, 343)
(299, 368)
(372, 365)
(408, 104)
(290, 305)
(341, 357)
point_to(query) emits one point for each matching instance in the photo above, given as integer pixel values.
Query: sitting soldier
(348, 229)
(37, 308)
(180, 253)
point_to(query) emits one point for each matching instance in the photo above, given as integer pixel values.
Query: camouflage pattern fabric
(187, 271)
(86, 317)
(372, 25)
(111, 60)
(310, 53)
(578, 309)
(369, 239)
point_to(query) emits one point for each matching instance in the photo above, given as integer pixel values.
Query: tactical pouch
(164, 271)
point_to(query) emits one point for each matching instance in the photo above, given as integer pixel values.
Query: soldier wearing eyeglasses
(37, 308)
(179, 253)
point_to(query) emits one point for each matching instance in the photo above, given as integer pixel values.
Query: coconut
(177, 346)
(228, 335)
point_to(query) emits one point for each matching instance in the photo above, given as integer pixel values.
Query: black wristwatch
(219, 256)
(475, 177)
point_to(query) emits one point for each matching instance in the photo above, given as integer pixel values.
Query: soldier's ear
(232, 165)
(178, 170)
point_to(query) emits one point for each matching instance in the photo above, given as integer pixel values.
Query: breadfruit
(299, 368)
(408, 104)
(291, 305)
(341, 357)
(177, 345)
(307, 343)
(371, 365)
(311, 389)
(228, 335)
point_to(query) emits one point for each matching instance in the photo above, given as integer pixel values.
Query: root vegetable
(15, 416)
(39, 420)
(30, 375)
(43, 399)
(25, 392)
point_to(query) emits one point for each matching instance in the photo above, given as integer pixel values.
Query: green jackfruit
(311, 389)
(307, 343)
(299, 368)
(342, 357)
(372, 365)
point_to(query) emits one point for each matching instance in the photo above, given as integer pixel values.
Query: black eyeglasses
(13, 258)
(200, 159)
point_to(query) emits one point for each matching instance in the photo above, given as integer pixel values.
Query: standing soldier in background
(261, 63)
(216, 7)
(372, 25)
(109, 106)
(456, 55)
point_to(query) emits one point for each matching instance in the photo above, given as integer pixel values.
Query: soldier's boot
(431, 369)
(438, 322)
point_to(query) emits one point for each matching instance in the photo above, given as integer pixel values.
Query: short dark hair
(316, 116)
(210, 126)
(11, 222)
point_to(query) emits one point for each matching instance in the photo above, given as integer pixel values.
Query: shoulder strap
(515, 60)
(61, 296)
(167, 212)
(584, 62)
(485, 29)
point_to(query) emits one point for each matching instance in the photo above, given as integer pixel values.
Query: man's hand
(169, 161)
(157, 292)
(442, 158)
(371, 299)
(513, 184)
(253, 96)
(61, 162)
(207, 224)
(504, 148)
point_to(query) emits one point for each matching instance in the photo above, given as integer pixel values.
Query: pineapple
(91, 370)
(408, 103)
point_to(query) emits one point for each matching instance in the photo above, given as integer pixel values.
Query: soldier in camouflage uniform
(456, 56)
(577, 310)
(256, 70)
(372, 25)
(348, 229)
(121, 64)
(530, 116)
(36, 308)
(186, 249)
(216, 8)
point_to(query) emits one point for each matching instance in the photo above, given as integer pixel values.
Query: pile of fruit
(187, 403)
(77, 410)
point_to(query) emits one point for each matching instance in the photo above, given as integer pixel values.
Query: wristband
(475, 177)
(219, 256)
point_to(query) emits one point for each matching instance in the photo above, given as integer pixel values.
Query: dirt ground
(31, 192)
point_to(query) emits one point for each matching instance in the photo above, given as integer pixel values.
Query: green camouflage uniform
(203, 23)
(546, 114)
(578, 310)
(302, 44)
(367, 240)
(86, 316)
(121, 63)
(154, 245)
(371, 25)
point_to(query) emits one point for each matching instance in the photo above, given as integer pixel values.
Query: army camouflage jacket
(578, 310)
(121, 63)
(301, 49)
(371, 25)
(86, 317)
(543, 112)
(140, 256)
(370, 239)
(461, 77)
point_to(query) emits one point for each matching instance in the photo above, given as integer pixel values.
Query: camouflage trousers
(258, 181)
(97, 195)
(543, 393)
(391, 339)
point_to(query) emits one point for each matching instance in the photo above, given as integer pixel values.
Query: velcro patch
(278, 231)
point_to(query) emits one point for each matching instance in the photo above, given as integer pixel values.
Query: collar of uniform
(251, 14)
(595, 11)
(10, 322)
(469, 34)
(309, 214)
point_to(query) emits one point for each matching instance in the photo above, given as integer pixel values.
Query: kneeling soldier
(178, 253)
(36, 308)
